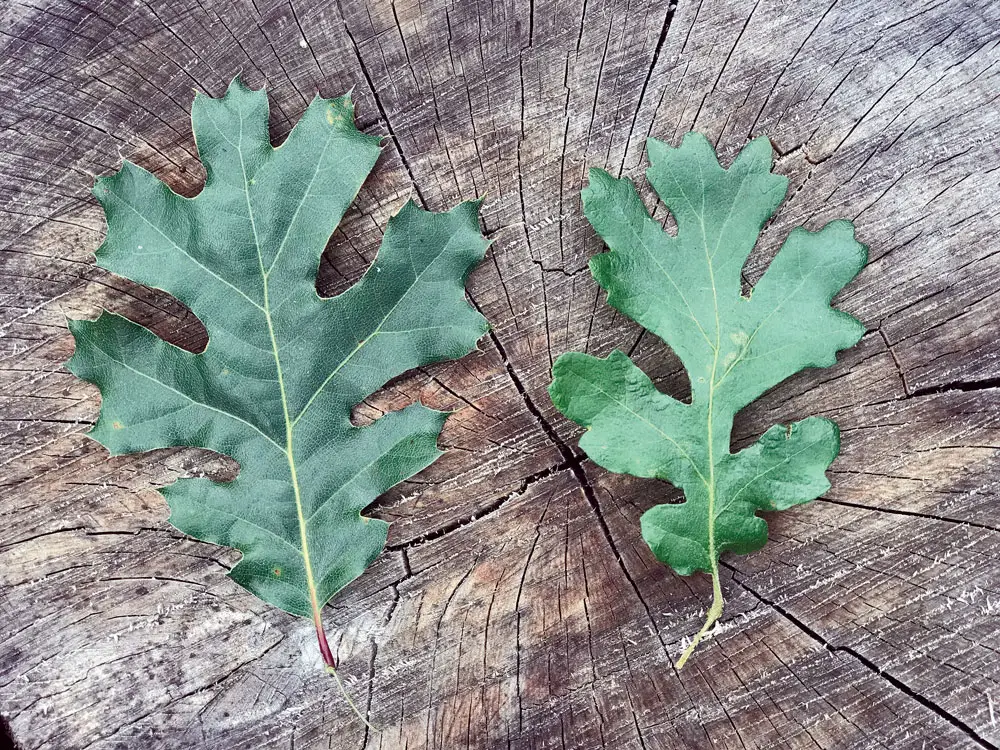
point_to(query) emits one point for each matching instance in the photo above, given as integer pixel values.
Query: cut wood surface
(517, 605)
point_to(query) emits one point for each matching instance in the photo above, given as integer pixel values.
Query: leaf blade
(687, 290)
(275, 386)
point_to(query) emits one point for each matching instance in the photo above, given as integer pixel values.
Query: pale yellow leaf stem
(714, 613)
(347, 698)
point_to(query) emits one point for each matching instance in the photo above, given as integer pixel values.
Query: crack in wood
(6, 738)
(864, 661)
(965, 386)
(911, 513)
(487, 510)
(895, 361)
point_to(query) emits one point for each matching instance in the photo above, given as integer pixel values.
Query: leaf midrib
(717, 599)
(712, 385)
(289, 446)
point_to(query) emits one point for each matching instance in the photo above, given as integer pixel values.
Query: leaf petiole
(324, 646)
(332, 670)
(714, 613)
(331, 667)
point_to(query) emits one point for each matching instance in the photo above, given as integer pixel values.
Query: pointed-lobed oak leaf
(283, 368)
(686, 289)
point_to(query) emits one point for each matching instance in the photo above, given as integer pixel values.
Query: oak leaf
(283, 368)
(686, 289)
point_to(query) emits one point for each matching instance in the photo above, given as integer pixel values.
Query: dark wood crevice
(6, 738)
(864, 660)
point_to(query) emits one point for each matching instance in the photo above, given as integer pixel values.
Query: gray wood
(517, 605)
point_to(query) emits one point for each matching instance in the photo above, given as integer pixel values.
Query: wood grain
(517, 606)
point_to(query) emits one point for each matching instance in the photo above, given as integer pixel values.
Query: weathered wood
(517, 605)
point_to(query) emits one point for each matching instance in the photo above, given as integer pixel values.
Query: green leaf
(284, 367)
(687, 290)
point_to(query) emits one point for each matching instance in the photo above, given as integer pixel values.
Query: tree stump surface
(516, 605)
